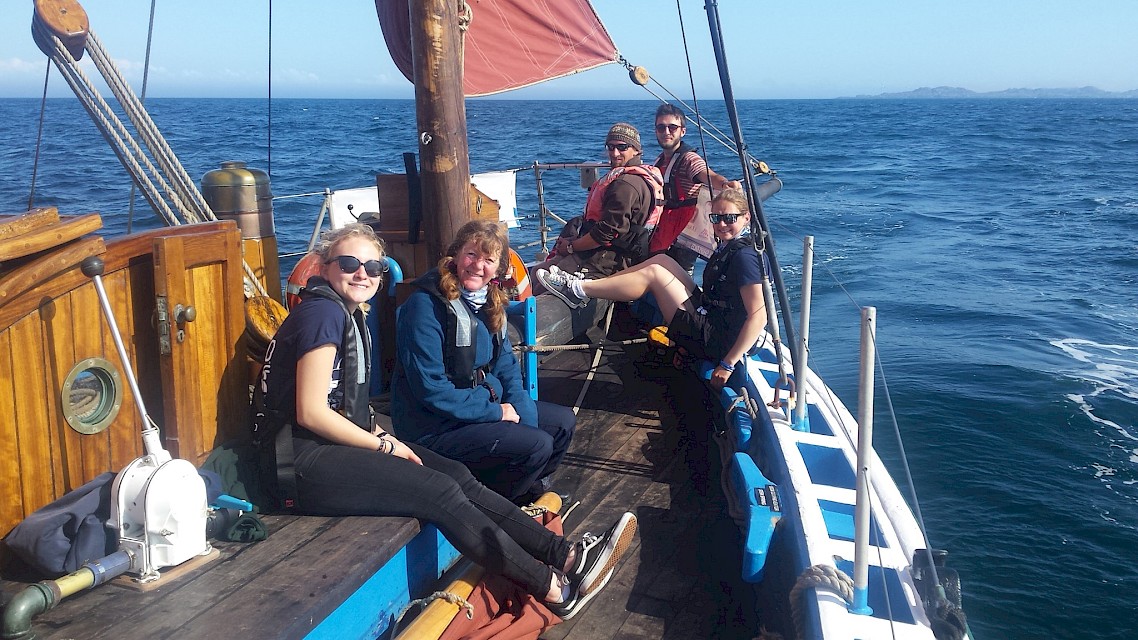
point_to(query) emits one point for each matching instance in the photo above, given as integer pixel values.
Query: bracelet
(385, 445)
(729, 368)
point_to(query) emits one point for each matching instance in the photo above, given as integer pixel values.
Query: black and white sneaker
(572, 604)
(557, 282)
(597, 556)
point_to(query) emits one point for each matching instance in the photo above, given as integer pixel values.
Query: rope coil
(456, 600)
(818, 576)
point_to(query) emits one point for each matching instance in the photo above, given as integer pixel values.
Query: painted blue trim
(886, 596)
(528, 310)
(839, 518)
(773, 463)
(371, 610)
(859, 606)
(827, 465)
(817, 422)
(759, 499)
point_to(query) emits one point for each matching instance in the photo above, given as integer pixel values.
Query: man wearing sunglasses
(684, 171)
(621, 211)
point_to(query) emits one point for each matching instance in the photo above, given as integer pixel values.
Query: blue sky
(823, 49)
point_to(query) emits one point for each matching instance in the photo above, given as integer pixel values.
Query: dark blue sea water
(997, 239)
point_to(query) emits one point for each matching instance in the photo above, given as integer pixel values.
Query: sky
(823, 49)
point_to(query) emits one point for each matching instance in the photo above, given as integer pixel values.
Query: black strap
(286, 468)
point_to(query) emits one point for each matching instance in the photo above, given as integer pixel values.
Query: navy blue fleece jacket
(424, 401)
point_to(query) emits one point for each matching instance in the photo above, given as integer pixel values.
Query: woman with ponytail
(457, 387)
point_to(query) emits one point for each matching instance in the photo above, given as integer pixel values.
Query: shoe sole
(584, 598)
(623, 542)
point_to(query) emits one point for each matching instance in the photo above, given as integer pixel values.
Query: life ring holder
(519, 288)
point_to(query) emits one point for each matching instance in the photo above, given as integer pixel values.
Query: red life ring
(519, 287)
(308, 266)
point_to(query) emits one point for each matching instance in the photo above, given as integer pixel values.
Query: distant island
(959, 93)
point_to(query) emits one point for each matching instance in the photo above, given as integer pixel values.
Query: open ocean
(998, 240)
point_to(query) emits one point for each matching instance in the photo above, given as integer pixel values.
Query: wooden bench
(314, 577)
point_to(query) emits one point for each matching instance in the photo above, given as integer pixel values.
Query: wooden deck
(679, 580)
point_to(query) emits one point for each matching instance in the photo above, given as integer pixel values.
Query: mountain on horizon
(959, 93)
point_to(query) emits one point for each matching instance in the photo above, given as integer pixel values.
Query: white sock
(577, 289)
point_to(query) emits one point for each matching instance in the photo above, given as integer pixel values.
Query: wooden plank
(11, 502)
(112, 612)
(43, 238)
(59, 358)
(126, 436)
(15, 224)
(67, 257)
(120, 253)
(180, 379)
(33, 439)
(294, 593)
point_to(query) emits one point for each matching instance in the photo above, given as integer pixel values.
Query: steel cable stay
(142, 100)
(176, 201)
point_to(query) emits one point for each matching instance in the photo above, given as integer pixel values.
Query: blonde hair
(330, 239)
(735, 197)
(491, 239)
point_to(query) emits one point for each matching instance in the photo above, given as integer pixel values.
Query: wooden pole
(440, 113)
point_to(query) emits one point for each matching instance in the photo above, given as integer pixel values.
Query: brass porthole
(92, 396)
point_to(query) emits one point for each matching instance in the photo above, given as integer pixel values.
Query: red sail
(512, 43)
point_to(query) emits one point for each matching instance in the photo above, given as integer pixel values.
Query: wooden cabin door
(199, 314)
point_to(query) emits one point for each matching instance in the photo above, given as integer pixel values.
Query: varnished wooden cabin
(177, 298)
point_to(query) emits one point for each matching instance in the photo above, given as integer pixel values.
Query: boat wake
(1112, 371)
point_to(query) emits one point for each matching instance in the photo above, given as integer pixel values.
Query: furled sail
(512, 43)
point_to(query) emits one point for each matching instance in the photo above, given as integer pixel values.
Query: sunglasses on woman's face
(728, 218)
(349, 264)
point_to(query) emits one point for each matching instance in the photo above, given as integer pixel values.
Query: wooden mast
(440, 113)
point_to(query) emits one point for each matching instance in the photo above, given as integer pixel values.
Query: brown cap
(626, 133)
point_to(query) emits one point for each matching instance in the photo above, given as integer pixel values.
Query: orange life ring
(308, 266)
(519, 287)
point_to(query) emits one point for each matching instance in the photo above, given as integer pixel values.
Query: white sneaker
(558, 282)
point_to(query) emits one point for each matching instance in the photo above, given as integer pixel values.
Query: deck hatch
(827, 466)
(839, 519)
(886, 595)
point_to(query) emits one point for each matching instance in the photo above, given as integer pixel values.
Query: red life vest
(594, 207)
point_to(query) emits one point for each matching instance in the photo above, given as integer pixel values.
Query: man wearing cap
(622, 209)
(684, 173)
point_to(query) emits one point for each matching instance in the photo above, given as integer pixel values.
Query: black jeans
(336, 480)
(509, 457)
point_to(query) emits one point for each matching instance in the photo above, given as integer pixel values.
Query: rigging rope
(142, 99)
(694, 100)
(269, 160)
(39, 139)
(183, 194)
(819, 576)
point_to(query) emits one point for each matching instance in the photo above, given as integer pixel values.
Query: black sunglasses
(620, 146)
(349, 264)
(729, 218)
(671, 128)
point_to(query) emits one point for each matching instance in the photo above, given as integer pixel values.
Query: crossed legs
(661, 275)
